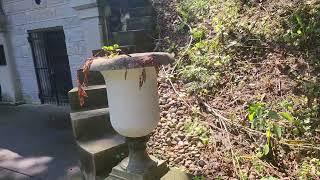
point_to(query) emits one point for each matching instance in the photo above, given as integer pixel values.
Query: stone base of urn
(138, 165)
(157, 172)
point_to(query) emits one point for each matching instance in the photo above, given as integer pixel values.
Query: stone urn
(132, 89)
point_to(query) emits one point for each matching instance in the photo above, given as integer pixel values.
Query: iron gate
(51, 65)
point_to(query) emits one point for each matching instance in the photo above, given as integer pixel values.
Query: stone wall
(26, 15)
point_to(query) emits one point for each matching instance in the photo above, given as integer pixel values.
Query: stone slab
(94, 78)
(118, 173)
(132, 37)
(146, 23)
(175, 174)
(98, 157)
(97, 98)
(91, 124)
(141, 11)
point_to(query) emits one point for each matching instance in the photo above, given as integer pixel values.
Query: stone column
(2, 18)
(91, 23)
(10, 84)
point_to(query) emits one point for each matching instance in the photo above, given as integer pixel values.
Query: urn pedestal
(134, 109)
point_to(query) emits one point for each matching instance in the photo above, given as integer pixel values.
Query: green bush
(303, 27)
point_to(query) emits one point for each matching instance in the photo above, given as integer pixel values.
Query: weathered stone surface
(100, 147)
(141, 11)
(133, 37)
(177, 175)
(146, 22)
(129, 3)
(99, 156)
(97, 98)
(94, 78)
(90, 124)
(132, 61)
(119, 173)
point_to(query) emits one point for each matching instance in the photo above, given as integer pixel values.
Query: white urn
(132, 89)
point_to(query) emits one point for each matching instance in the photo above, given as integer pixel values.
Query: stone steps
(91, 124)
(141, 11)
(97, 98)
(137, 33)
(141, 23)
(100, 147)
(98, 156)
(140, 38)
(94, 78)
(128, 3)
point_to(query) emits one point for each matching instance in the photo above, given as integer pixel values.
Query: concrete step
(146, 23)
(97, 98)
(139, 3)
(141, 11)
(134, 12)
(147, 47)
(133, 37)
(128, 3)
(99, 156)
(94, 78)
(91, 124)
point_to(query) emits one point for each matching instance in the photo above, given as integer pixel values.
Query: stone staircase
(132, 25)
(100, 147)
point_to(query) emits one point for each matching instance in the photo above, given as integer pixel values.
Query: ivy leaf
(287, 116)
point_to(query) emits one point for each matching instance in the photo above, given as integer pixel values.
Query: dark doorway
(51, 65)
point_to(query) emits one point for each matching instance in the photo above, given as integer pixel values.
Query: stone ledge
(83, 4)
(91, 124)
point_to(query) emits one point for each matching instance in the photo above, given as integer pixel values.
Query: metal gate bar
(50, 54)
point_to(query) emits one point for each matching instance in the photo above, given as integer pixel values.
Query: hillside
(242, 100)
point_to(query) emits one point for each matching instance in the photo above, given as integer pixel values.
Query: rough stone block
(97, 98)
(99, 156)
(91, 124)
(146, 22)
(133, 37)
(94, 78)
(177, 175)
(141, 11)
(118, 173)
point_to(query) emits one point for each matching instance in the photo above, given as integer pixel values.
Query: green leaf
(299, 32)
(259, 154)
(277, 130)
(266, 149)
(299, 20)
(296, 131)
(116, 46)
(268, 133)
(287, 116)
(273, 115)
(251, 116)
